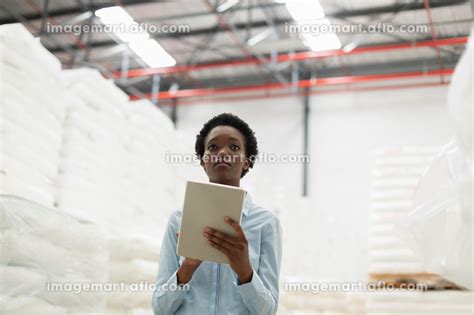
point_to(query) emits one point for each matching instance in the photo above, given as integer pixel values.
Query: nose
(223, 151)
(223, 155)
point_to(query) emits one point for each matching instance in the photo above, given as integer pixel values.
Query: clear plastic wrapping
(42, 247)
(440, 226)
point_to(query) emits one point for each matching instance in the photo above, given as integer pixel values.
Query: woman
(226, 147)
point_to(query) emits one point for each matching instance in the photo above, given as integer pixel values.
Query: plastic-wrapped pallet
(45, 254)
(31, 123)
(396, 175)
(440, 227)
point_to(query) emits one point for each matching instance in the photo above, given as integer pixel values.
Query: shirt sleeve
(168, 295)
(260, 295)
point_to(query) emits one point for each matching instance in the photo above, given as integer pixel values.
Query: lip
(222, 163)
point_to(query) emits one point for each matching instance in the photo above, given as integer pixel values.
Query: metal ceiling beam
(207, 13)
(277, 22)
(323, 72)
(74, 10)
(178, 36)
(301, 84)
(230, 29)
(219, 50)
(206, 44)
(352, 13)
(397, 7)
(300, 56)
(358, 12)
(339, 89)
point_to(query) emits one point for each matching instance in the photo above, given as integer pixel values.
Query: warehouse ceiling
(228, 44)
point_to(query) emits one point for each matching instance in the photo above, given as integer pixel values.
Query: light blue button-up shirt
(214, 288)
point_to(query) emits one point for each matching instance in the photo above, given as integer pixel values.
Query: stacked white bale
(93, 157)
(32, 113)
(133, 263)
(395, 178)
(151, 179)
(150, 183)
(420, 303)
(113, 167)
(74, 141)
(48, 259)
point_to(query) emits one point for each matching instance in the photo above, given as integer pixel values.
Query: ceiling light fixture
(309, 14)
(259, 37)
(138, 39)
(226, 6)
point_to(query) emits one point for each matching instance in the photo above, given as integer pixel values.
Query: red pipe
(286, 94)
(302, 83)
(307, 55)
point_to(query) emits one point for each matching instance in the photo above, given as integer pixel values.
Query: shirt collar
(247, 203)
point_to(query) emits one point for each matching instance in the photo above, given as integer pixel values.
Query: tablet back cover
(206, 204)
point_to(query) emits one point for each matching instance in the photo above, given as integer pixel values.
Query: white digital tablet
(206, 204)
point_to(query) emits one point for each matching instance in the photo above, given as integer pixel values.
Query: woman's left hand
(234, 247)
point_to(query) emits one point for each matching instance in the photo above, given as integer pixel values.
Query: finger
(236, 226)
(226, 237)
(219, 241)
(219, 247)
(177, 234)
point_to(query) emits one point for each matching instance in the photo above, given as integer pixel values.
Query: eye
(234, 147)
(211, 146)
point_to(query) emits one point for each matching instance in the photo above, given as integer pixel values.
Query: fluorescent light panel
(152, 53)
(226, 5)
(139, 42)
(303, 10)
(322, 41)
(310, 12)
(259, 37)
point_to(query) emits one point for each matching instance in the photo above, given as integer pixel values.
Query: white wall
(325, 235)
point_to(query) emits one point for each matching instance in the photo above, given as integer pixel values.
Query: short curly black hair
(228, 119)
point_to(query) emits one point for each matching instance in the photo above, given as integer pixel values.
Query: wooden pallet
(398, 280)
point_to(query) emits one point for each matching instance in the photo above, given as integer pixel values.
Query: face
(224, 155)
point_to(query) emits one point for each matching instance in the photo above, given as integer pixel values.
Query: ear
(246, 164)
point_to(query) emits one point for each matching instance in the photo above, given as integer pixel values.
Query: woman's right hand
(187, 269)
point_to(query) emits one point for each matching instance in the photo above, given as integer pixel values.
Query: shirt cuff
(252, 289)
(172, 287)
(169, 295)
